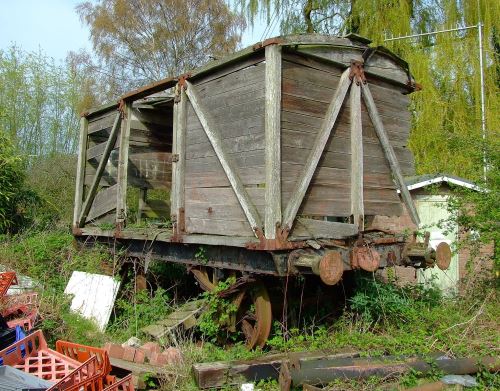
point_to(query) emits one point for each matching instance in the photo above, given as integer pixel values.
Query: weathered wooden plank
(396, 130)
(80, 169)
(209, 210)
(104, 202)
(390, 155)
(242, 159)
(212, 178)
(223, 195)
(104, 121)
(237, 128)
(238, 144)
(239, 80)
(340, 142)
(173, 193)
(395, 106)
(273, 141)
(122, 176)
(96, 151)
(217, 227)
(314, 157)
(320, 229)
(214, 137)
(248, 60)
(100, 169)
(357, 207)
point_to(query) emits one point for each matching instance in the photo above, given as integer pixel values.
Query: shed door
(432, 210)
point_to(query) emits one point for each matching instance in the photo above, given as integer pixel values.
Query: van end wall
(481, 262)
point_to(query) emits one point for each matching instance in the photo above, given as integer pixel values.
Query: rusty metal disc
(331, 267)
(206, 277)
(255, 316)
(365, 258)
(443, 256)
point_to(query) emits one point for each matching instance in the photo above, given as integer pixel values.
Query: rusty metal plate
(365, 258)
(331, 268)
(443, 256)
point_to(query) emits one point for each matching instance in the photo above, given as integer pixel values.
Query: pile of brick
(150, 352)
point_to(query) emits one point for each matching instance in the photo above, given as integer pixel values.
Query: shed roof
(417, 182)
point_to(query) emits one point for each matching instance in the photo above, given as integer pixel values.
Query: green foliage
(376, 301)
(219, 312)
(135, 310)
(39, 102)
(16, 200)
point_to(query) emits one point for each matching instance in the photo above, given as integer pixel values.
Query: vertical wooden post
(273, 140)
(173, 192)
(80, 169)
(122, 179)
(179, 161)
(357, 206)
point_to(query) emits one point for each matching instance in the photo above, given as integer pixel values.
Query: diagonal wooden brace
(100, 169)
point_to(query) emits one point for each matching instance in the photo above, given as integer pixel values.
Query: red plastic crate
(21, 310)
(6, 280)
(87, 377)
(125, 384)
(82, 353)
(32, 355)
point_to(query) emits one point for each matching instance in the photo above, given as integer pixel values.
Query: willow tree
(140, 41)
(446, 131)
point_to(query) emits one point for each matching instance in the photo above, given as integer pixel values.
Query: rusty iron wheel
(253, 317)
(207, 277)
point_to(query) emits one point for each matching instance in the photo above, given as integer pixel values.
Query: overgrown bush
(16, 199)
(379, 302)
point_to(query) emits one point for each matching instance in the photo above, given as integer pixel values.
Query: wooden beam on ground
(389, 153)
(273, 140)
(317, 150)
(213, 135)
(100, 169)
(179, 163)
(227, 373)
(122, 177)
(357, 206)
(80, 169)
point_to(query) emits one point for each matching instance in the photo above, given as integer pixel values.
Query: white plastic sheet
(93, 296)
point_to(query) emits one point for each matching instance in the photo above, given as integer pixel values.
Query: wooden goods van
(272, 161)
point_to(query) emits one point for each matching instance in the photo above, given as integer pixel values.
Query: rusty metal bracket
(182, 80)
(280, 242)
(175, 157)
(267, 42)
(357, 72)
(121, 108)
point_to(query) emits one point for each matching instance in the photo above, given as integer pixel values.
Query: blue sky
(54, 26)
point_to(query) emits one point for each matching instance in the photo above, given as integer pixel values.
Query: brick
(151, 347)
(129, 353)
(140, 355)
(114, 350)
